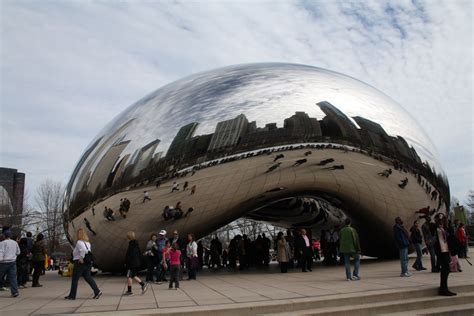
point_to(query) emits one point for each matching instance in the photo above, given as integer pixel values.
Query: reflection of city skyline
(233, 136)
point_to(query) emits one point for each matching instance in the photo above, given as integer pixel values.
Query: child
(175, 264)
(133, 264)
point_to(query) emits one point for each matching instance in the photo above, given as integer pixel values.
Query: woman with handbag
(82, 258)
(192, 258)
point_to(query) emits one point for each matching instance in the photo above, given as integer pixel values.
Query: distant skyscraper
(228, 132)
(301, 125)
(347, 128)
(12, 187)
(186, 132)
(145, 155)
(105, 166)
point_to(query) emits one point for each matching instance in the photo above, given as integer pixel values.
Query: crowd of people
(167, 258)
(445, 242)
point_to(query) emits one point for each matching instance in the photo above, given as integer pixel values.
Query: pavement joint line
(268, 297)
(192, 299)
(210, 287)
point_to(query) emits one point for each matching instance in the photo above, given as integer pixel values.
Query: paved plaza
(216, 290)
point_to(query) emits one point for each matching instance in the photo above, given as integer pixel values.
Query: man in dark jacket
(133, 264)
(303, 250)
(400, 234)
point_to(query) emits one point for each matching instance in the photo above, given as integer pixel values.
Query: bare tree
(470, 204)
(49, 198)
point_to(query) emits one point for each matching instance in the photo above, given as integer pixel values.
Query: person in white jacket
(9, 250)
(82, 257)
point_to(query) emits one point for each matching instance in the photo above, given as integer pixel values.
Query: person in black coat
(133, 264)
(303, 251)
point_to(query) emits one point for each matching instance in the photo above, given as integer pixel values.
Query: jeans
(444, 260)
(83, 270)
(9, 268)
(418, 265)
(404, 259)
(174, 276)
(347, 264)
(431, 250)
(38, 267)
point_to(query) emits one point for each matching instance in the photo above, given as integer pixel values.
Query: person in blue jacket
(402, 239)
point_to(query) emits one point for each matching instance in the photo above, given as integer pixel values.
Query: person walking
(416, 239)
(146, 196)
(175, 266)
(191, 260)
(462, 237)
(39, 255)
(429, 234)
(283, 252)
(9, 250)
(82, 258)
(350, 247)
(444, 256)
(133, 264)
(402, 240)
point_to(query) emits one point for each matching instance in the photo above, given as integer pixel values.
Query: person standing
(402, 240)
(303, 247)
(429, 233)
(133, 264)
(416, 239)
(175, 265)
(283, 252)
(39, 257)
(350, 247)
(444, 256)
(151, 253)
(22, 263)
(316, 249)
(461, 236)
(82, 258)
(9, 250)
(192, 260)
(160, 247)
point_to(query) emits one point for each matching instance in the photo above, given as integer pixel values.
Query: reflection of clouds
(265, 93)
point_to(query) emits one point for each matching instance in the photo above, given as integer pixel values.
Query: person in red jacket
(461, 235)
(316, 248)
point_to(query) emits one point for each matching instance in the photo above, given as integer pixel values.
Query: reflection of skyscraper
(373, 134)
(184, 133)
(97, 151)
(104, 168)
(12, 184)
(344, 124)
(144, 157)
(228, 133)
(301, 125)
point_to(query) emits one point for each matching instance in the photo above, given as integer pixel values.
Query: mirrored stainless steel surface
(293, 145)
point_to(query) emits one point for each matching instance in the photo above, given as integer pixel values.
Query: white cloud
(69, 67)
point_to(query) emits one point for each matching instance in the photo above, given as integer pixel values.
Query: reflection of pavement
(225, 192)
(225, 290)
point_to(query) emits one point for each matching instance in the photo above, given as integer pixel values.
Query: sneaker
(98, 295)
(144, 287)
(356, 278)
(158, 282)
(128, 293)
(3, 288)
(349, 279)
(16, 294)
(406, 274)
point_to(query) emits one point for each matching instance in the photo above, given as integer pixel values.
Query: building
(303, 127)
(337, 120)
(228, 133)
(12, 190)
(177, 145)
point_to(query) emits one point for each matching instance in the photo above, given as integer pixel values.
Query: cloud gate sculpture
(292, 145)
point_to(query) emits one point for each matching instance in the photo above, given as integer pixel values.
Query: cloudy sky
(69, 67)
